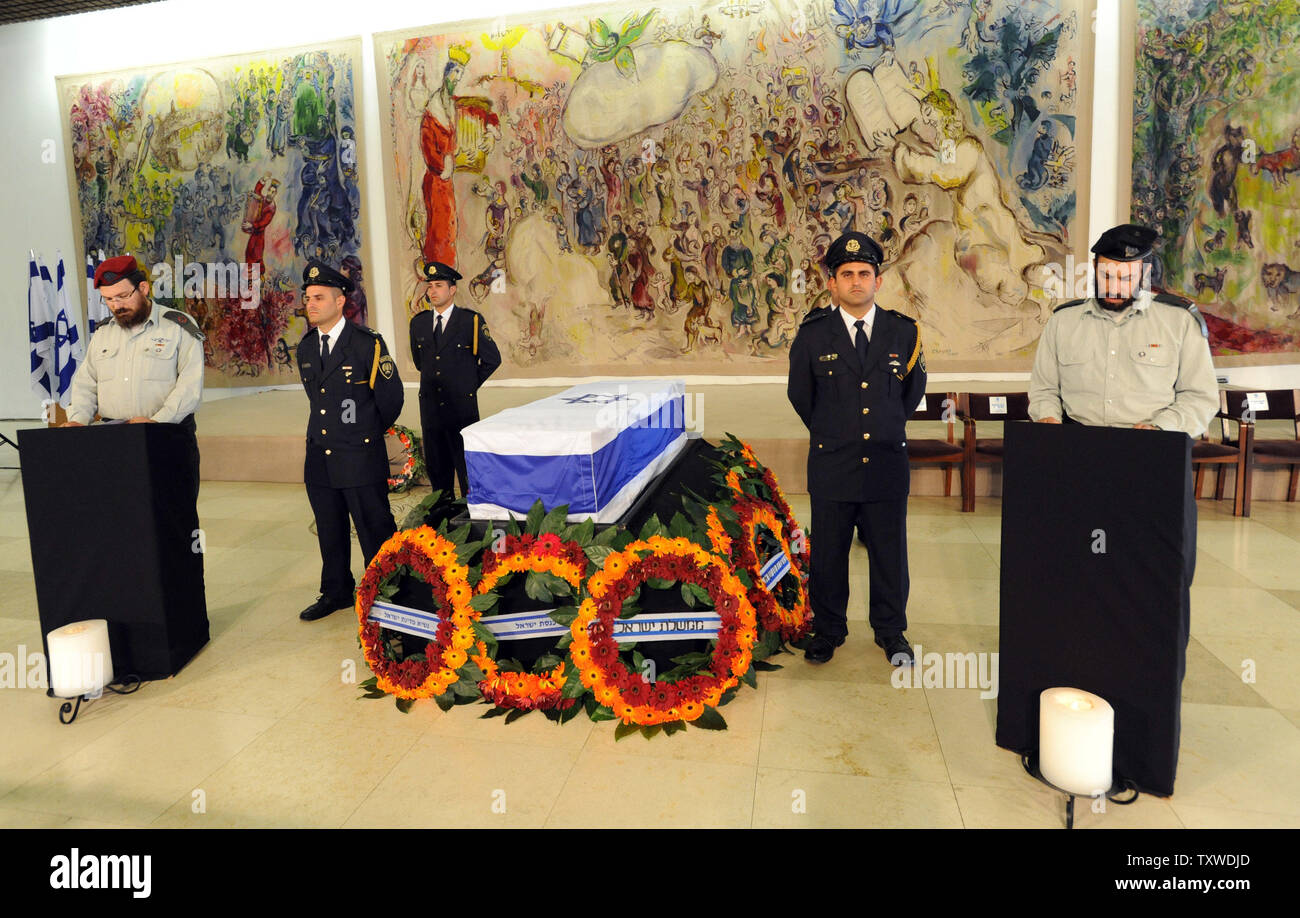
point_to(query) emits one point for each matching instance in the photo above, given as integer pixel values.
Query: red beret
(112, 270)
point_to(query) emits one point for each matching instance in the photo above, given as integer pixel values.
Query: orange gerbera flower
(455, 657)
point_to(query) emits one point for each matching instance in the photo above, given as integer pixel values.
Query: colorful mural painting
(1216, 135)
(653, 188)
(223, 177)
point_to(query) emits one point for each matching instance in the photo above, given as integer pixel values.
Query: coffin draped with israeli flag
(594, 447)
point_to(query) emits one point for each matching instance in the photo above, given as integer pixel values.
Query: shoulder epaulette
(1067, 305)
(184, 322)
(1182, 302)
(821, 313)
(901, 315)
(366, 329)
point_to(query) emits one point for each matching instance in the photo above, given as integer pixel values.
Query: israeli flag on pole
(40, 322)
(69, 350)
(96, 312)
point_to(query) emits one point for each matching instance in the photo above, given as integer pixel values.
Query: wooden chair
(973, 407)
(948, 453)
(1228, 450)
(1283, 404)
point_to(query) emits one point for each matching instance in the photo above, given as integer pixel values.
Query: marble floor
(265, 728)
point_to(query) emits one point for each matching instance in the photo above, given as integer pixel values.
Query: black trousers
(444, 454)
(884, 523)
(368, 506)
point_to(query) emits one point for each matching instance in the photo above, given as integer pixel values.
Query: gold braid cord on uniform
(916, 351)
(475, 334)
(374, 364)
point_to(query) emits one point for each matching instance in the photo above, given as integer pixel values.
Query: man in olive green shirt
(1126, 357)
(146, 366)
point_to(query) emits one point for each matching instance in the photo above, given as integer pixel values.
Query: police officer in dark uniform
(857, 373)
(355, 395)
(454, 354)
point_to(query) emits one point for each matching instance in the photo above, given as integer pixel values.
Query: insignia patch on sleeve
(386, 366)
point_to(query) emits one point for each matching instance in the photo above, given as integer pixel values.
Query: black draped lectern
(1098, 549)
(114, 533)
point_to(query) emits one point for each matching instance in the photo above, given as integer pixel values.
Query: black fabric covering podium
(1113, 623)
(112, 520)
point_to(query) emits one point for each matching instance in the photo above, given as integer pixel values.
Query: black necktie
(437, 331)
(860, 340)
(324, 348)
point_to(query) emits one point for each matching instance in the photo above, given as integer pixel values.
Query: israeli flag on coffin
(594, 447)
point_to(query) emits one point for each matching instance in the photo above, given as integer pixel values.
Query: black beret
(319, 274)
(436, 270)
(853, 246)
(1128, 242)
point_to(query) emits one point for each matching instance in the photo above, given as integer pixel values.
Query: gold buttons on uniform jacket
(367, 439)
(322, 433)
(866, 436)
(865, 459)
(864, 385)
(866, 411)
(322, 391)
(322, 411)
(327, 452)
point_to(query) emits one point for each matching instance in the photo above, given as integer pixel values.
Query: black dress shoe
(821, 649)
(323, 607)
(897, 650)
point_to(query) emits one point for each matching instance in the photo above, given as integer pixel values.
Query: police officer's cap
(122, 267)
(319, 274)
(1128, 242)
(437, 271)
(853, 246)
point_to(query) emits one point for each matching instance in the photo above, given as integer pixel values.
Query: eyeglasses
(111, 301)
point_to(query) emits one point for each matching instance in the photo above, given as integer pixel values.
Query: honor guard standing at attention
(355, 396)
(146, 366)
(454, 354)
(857, 373)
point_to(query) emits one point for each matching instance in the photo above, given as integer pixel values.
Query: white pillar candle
(80, 660)
(1076, 736)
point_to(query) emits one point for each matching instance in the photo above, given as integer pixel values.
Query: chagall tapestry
(223, 177)
(638, 189)
(1216, 139)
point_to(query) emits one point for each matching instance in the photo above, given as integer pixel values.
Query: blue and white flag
(96, 312)
(40, 322)
(69, 350)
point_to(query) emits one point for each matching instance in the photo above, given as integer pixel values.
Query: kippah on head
(853, 246)
(437, 271)
(319, 274)
(1126, 242)
(119, 268)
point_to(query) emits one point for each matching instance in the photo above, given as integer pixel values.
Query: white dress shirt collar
(869, 321)
(446, 316)
(334, 332)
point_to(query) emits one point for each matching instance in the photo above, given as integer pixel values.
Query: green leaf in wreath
(535, 587)
(652, 730)
(711, 719)
(516, 714)
(763, 666)
(446, 701)
(598, 553)
(465, 689)
(536, 514)
(557, 586)
(688, 597)
(658, 583)
(404, 704)
(602, 712)
(565, 640)
(563, 615)
(583, 532)
(652, 527)
(554, 521)
(573, 687)
(494, 712)
(606, 536)
(483, 601)
(623, 730)
(750, 678)
(512, 526)
(471, 671)
(570, 712)
(546, 661)
(680, 527)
